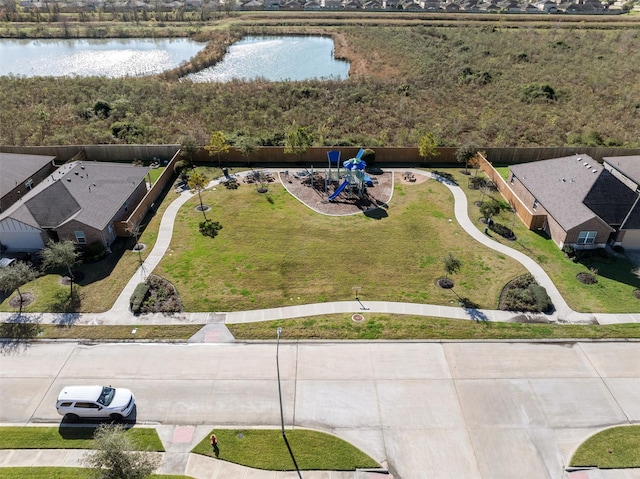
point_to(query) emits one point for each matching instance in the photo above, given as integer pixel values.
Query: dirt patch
(27, 299)
(586, 278)
(445, 283)
(310, 190)
(77, 277)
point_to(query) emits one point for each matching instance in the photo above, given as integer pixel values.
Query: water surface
(294, 58)
(110, 58)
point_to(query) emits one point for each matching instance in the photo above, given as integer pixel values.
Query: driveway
(424, 410)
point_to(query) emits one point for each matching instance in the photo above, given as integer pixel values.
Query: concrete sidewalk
(120, 314)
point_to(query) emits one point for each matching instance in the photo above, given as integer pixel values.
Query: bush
(502, 230)
(524, 294)
(138, 297)
(94, 252)
(210, 228)
(369, 156)
(162, 298)
(535, 92)
(477, 182)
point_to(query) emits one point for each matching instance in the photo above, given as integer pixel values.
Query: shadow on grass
(17, 332)
(66, 305)
(607, 265)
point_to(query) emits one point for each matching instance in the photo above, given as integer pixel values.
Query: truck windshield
(106, 396)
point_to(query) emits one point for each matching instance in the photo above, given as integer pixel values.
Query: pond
(277, 58)
(109, 58)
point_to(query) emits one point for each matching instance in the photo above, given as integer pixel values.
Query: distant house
(81, 202)
(19, 174)
(577, 201)
(627, 170)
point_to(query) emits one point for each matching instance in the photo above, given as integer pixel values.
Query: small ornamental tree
(115, 456)
(451, 265)
(297, 140)
(188, 149)
(198, 182)
(489, 209)
(464, 154)
(15, 276)
(427, 145)
(61, 255)
(218, 145)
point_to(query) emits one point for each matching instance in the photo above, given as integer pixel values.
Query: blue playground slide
(339, 190)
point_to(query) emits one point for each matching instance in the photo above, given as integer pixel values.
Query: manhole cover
(357, 317)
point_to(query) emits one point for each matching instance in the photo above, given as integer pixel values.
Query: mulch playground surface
(309, 188)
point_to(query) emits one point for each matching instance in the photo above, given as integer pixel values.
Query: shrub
(524, 294)
(138, 297)
(543, 301)
(534, 92)
(477, 182)
(369, 156)
(502, 230)
(93, 252)
(210, 228)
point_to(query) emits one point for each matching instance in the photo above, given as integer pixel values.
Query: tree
(218, 145)
(427, 145)
(61, 255)
(464, 154)
(297, 140)
(115, 456)
(451, 265)
(476, 160)
(198, 182)
(188, 149)
(246, 145)
(15, 276)
(489, 209)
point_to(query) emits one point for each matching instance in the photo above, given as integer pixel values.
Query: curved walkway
(120, 314)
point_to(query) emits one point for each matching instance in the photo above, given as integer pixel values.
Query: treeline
(484, 85)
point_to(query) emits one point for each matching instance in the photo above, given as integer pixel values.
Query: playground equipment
(354, 174)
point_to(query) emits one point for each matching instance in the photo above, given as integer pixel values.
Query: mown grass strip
(70, 437)
(615, 448)
(266, 449)
(397, 326)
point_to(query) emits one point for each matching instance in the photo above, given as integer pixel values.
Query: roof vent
(69, 180)
(594, 170)
(77, 173)
(585, 164)
(579, 158)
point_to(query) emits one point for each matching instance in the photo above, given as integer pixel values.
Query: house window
(29, 183)
(587, 237)
(513, 177)
(535, 204)
(80, 238)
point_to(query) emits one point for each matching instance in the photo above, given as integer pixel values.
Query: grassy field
(377, 326)
(613, 448)
(617, 277)
(266, 449)
(69, 437)
(274, 251)
(462, 77)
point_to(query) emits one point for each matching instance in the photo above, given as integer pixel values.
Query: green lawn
(69, 437)
(274, 251)
(614, 291)
(266, 449)
(614, 448)
(395, 326)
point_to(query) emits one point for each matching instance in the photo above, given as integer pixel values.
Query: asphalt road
(425, 410)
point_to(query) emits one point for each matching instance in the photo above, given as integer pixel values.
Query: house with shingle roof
(81, 201)
(577, 202)
(21, 173)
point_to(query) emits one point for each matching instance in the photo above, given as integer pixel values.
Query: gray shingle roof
(90, 192)
(560, 186)
(16, 168)
(610, 198)
(629, 166)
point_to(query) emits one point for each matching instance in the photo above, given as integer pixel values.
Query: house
(21, 173)
(576, 201)
(627, 170)
(81, 201)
